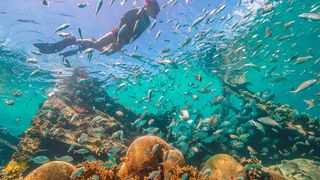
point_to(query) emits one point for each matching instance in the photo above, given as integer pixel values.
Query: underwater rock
(146, 153)
(295, 169)
(222, 166)
(51, 171)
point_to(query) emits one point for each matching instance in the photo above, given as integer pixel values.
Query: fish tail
(294, 92)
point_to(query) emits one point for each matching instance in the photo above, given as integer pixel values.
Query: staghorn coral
(222, 167)
(145, 154)
(52, 170)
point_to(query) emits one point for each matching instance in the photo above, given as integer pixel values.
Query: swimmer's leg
(105, 41)
(50, 48)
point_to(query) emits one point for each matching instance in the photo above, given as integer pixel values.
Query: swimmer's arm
(111, 49)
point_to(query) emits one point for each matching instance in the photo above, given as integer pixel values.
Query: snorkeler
(132, 25)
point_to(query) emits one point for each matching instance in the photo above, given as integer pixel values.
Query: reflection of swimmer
(132, 25)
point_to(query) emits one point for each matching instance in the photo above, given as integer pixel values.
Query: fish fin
(291, 86)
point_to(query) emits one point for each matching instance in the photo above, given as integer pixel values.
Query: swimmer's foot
(50, 48)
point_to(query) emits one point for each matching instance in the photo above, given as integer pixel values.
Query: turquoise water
(230, 44)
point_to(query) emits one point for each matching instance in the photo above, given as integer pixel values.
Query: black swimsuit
(130, 19)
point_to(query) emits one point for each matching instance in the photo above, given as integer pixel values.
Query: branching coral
(185, 172)
(97, 169)
(14, 170)
(253, 168)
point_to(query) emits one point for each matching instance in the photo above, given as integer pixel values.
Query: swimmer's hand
(106, 51)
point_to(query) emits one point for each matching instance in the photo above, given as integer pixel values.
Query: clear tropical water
(259, 41)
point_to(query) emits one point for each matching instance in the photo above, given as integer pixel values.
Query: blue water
(209, 57)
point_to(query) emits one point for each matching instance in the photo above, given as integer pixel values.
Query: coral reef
(185, 172)
(52, 170)
(222, 166)
(97, 169)
(146, 153)
(295, 169)
(285, 112)
(14, 170)
(67, 118)
(82, 117)
(253, 168)
(150, 157)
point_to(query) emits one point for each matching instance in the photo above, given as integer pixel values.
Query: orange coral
(145, 154)
(52, 170)
(222, 166)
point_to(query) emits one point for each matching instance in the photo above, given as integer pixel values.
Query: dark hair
(153, 3)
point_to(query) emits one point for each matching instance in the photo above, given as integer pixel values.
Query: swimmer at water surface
(132, 25)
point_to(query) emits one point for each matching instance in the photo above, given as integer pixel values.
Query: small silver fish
(99, 5)
(123, 2)
(310, 16)
(269, 121)
(149, 95)
(62, 27)
(152, 26)
(32, 60)
(40, 159)
(304, 85)
(77, 173)
(197, 21)
(33, 73)
(72, 146)
(158, 35)
(111, 2)
(155, 148)
(74, 118)
(111, 158)
(64, 158)
(120, 86)
(83, 138)
(122, 30)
